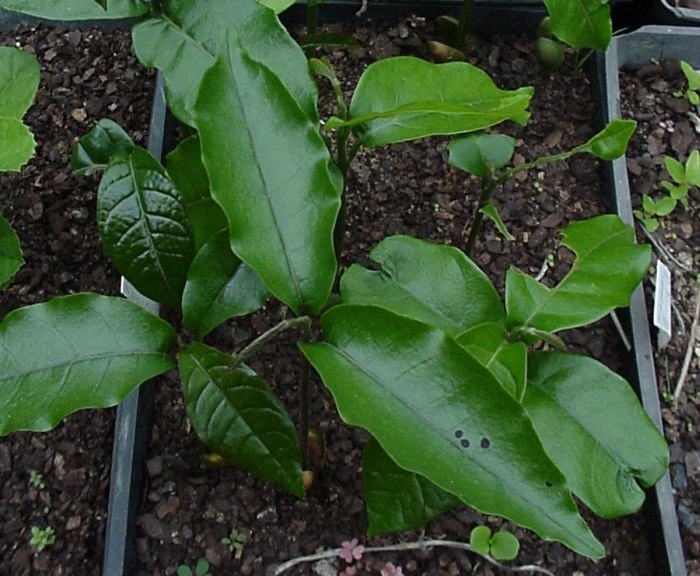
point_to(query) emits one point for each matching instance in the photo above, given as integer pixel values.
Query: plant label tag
(662, 305)
(131, 293)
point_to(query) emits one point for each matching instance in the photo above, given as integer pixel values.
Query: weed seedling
(42, 538)
(692, 93)
(234, 541)
(201, 569)
(36, 480)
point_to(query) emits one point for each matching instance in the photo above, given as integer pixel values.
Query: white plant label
(662, 305)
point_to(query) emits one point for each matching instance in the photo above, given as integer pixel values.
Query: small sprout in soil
(692, 93)
(501, 545)
(308, 477)
(42, 538)
(235, 541)
(36, 480)
(201, 569)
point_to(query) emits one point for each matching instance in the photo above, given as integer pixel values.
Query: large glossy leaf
(184, 41)
(19, 80)
(17, 144)
(433, 283)
(507, 361)
(237, 416)
(77, 9)
(581, 23)
(608, 267)
(144, 227)
(219, 286)
(397, 499)
(404, 98)
(438, 412)
(269, 170)
(277, 5)
(10, 252)
(190, 177)
(592, 425)
(75, 352)
(94, 150)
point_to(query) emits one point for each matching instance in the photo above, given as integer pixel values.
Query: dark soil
(85, 76)
(407, 189)
(665, 127)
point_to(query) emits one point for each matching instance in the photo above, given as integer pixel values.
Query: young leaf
(692, 168)
(270, 171)
(94, 150)
(18, 144)
(437, 412)
(584, 413)
(432, 283)
(608, 267)
(691, 75)
(193, 31)
(69, 10)
(219, 286)
(10, 252)
(667, 204)
(404, 98)
(75, 352)
(675, 169)
(648, 204)
(581, 24)
(190, 177)
(474, 153)
(397, 499)
(480, 539)
(504, 546)
(19, 80)
(611, 142)
(144, 227)
(237, 416)
(489, 210)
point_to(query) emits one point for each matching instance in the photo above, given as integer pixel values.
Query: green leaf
(507, 361)
(581, 23)
(330, 39)
(237, 416)
(648, 204)
(219, 286)
(10, 252)
(489, 210)
(19, 81)
(652, 224)
(504, 546)
(667, 204)
(474, 153)
(404, 98)
(75, 352)
(190, 177)
(192, 31)
(94, 150)
(397, 499)
(691, 75)
(437, 412)
(277, 5)
(675, 169)
(692, 168)
(608, 267)
(144, 227)
(611, 142)
(480, 539)
(18, 144)
(432, 283)
(68, 10)
(593, 426)
(269, 170)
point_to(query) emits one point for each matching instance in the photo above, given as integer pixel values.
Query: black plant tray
(633, 51)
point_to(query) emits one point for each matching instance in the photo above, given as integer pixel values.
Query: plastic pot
(666, 12)
(633, 51)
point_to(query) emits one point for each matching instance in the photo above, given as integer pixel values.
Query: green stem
(260, 341)
(488, 185)
(465, 17)
(304, 402)
(312, 18)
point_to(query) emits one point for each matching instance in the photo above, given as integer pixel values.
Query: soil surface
(400, 189)
(408, 188)
(669, 126)
(85, 76)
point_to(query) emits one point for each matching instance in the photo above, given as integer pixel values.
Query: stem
(419, 545)
(465, 19)
(260, 341)
(304, 402)
(312, 18)
(488, 185)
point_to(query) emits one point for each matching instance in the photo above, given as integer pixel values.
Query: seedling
(201, 569)
(683, 177)
(234, 541)
(36, 480)
(692, 92)
(42, 538)
(501, 545)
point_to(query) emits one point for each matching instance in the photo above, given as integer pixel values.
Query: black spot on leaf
(485, 442)
(465, 443)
